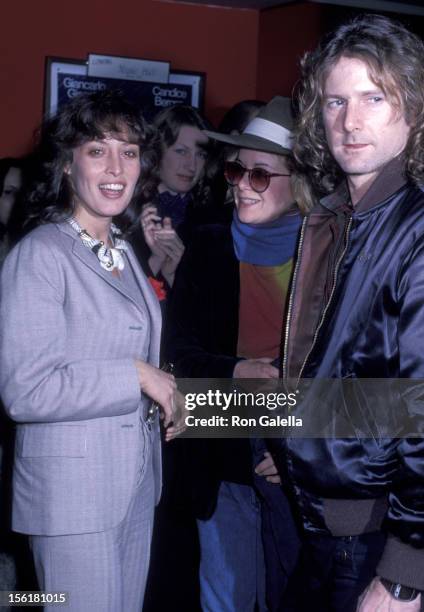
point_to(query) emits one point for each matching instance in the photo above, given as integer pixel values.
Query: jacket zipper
(286, 331)
(336, 269)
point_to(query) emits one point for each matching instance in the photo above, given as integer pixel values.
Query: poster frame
(56, 65)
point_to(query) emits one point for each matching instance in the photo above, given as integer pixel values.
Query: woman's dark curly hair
(89, 117)
(395, 60)
(6, 163)
(169, 122)
(17, 214)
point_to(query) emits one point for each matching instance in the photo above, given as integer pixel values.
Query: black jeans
(336, 570)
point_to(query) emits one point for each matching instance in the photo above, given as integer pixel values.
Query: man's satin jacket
(357, 312)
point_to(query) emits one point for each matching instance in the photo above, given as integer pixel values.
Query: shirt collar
(388, 181)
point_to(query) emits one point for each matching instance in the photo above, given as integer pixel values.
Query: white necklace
(109, 258)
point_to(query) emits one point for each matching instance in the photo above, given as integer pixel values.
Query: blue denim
(337, 570)
(232, 569)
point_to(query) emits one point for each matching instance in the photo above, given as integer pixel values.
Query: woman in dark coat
(224, 321)
(181, 202)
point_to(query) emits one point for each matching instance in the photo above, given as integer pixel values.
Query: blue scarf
(173, 206)
(267, 244)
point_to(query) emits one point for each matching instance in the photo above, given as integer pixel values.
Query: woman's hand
(255, 368)
(170, 243)
(160, 387)
(178, 424)
(151, 222)
(163, 241)
(267, 469)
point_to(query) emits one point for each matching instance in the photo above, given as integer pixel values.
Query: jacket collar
(388, 181)
(91, 261)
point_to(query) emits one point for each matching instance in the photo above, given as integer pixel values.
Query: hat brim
(249, 141)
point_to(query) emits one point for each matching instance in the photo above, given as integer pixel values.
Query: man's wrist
(400, 592)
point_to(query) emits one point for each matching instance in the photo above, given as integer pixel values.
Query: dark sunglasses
(259, 179)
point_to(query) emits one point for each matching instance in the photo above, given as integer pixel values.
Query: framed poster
(196, 80)
(67, 78)
(54, 68)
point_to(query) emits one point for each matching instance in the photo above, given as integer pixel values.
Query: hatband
(270, 131)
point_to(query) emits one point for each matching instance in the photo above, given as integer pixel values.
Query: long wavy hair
(395, 60)
(169, 123)
(89, 117)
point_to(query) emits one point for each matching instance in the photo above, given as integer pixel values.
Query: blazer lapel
(89, 259)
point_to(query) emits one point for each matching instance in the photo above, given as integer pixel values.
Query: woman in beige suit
(79, 346)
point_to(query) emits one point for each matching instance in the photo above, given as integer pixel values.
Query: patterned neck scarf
(109, 257)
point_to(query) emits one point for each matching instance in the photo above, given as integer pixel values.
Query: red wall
(221, 42)
(246, 54)
(285, 33)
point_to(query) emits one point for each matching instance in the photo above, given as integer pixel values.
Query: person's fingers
(266, 467)
(264, 464)
(167, 234)
(169, 397)
(178, 424)
(172, 253)
(269, 471)
(271, 371)
(166, 415)
(151, 221)
(165, 248)
(167, 223)
(265, 370)
(176, 427)
(173, 241)
(149, 207)
(171, 433)
(149, 212)
(163, 239)
(274, 479)
(171, 244)
(170, 248)
(178, 245)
